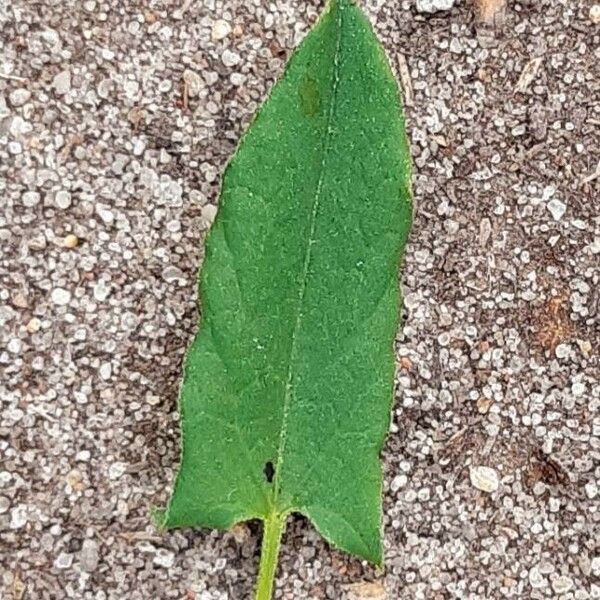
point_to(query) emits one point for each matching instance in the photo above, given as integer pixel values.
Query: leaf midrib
(306, 267)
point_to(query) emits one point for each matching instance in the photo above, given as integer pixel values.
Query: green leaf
(288, 384)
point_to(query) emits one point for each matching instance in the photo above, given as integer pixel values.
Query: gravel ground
(116, 118)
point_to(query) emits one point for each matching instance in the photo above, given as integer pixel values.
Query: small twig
(138, 536)
(592, 177)
(406, 80)
(185, 94)
(185, 6)
(12, 77)
(528, 75)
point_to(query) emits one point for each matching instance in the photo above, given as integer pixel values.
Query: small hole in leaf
(269, 471)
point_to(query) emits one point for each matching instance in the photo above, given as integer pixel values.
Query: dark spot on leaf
(309, 96)
(269, 471)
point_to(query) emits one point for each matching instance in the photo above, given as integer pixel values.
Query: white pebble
(62, 199)
(229, 58)
(19, 96)
(15, 148)
(105, 214)
(63, 561)
(591, 490)
(116, 470)
(398, 482)
(18, 516)
(105, 371)
(62, 82)
(164, 558)
(557, 208)
(101, 291)
(89, 556)
(430, 6)
(444, 338)
(61, 296)
(14, 346)
(562, 351)
(535, 578)
(221, 29)
(209, 212)
(484, 479)
(562, 584)
(172, 273)
(30, 199)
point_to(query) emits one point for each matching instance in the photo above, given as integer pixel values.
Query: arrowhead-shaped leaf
(286, 396)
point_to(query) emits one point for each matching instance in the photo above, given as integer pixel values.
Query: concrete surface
(116, 118)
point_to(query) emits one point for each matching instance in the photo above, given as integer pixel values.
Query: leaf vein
(307, 260)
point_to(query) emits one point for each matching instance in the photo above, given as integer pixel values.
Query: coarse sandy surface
(109, 176)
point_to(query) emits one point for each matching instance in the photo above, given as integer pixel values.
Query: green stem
(272, 532)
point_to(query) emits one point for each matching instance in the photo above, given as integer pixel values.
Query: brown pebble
(70, 241)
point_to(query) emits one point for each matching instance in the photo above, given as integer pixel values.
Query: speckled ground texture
(116, 119)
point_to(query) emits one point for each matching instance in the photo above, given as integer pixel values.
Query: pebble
(83, 455)
(62, 82)
(89, 556)
(164, 558)
(63, 561)
(19, 127)
(562, 351)
(60, 296)
(220, 30)
(536, 579)
(431, 6)
(241, 533)
(398, 482)
(18, 516)
(595, 14)
(62, 199)
(70, 241)
(483, 405)
(209, 212)
(4, 504)
(33, 325)
(117, 469)
(443, 339)
(230, 58)
(484, 479)
(562, 584)
(106, 214)
(19, 96)
(591, 490)
(101, 290)
(104, 88)
(31, 199)
(557, 208)
(194, 82)
(172, 273)
(105, 371)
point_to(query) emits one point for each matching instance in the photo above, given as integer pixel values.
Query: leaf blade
(293, 363)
